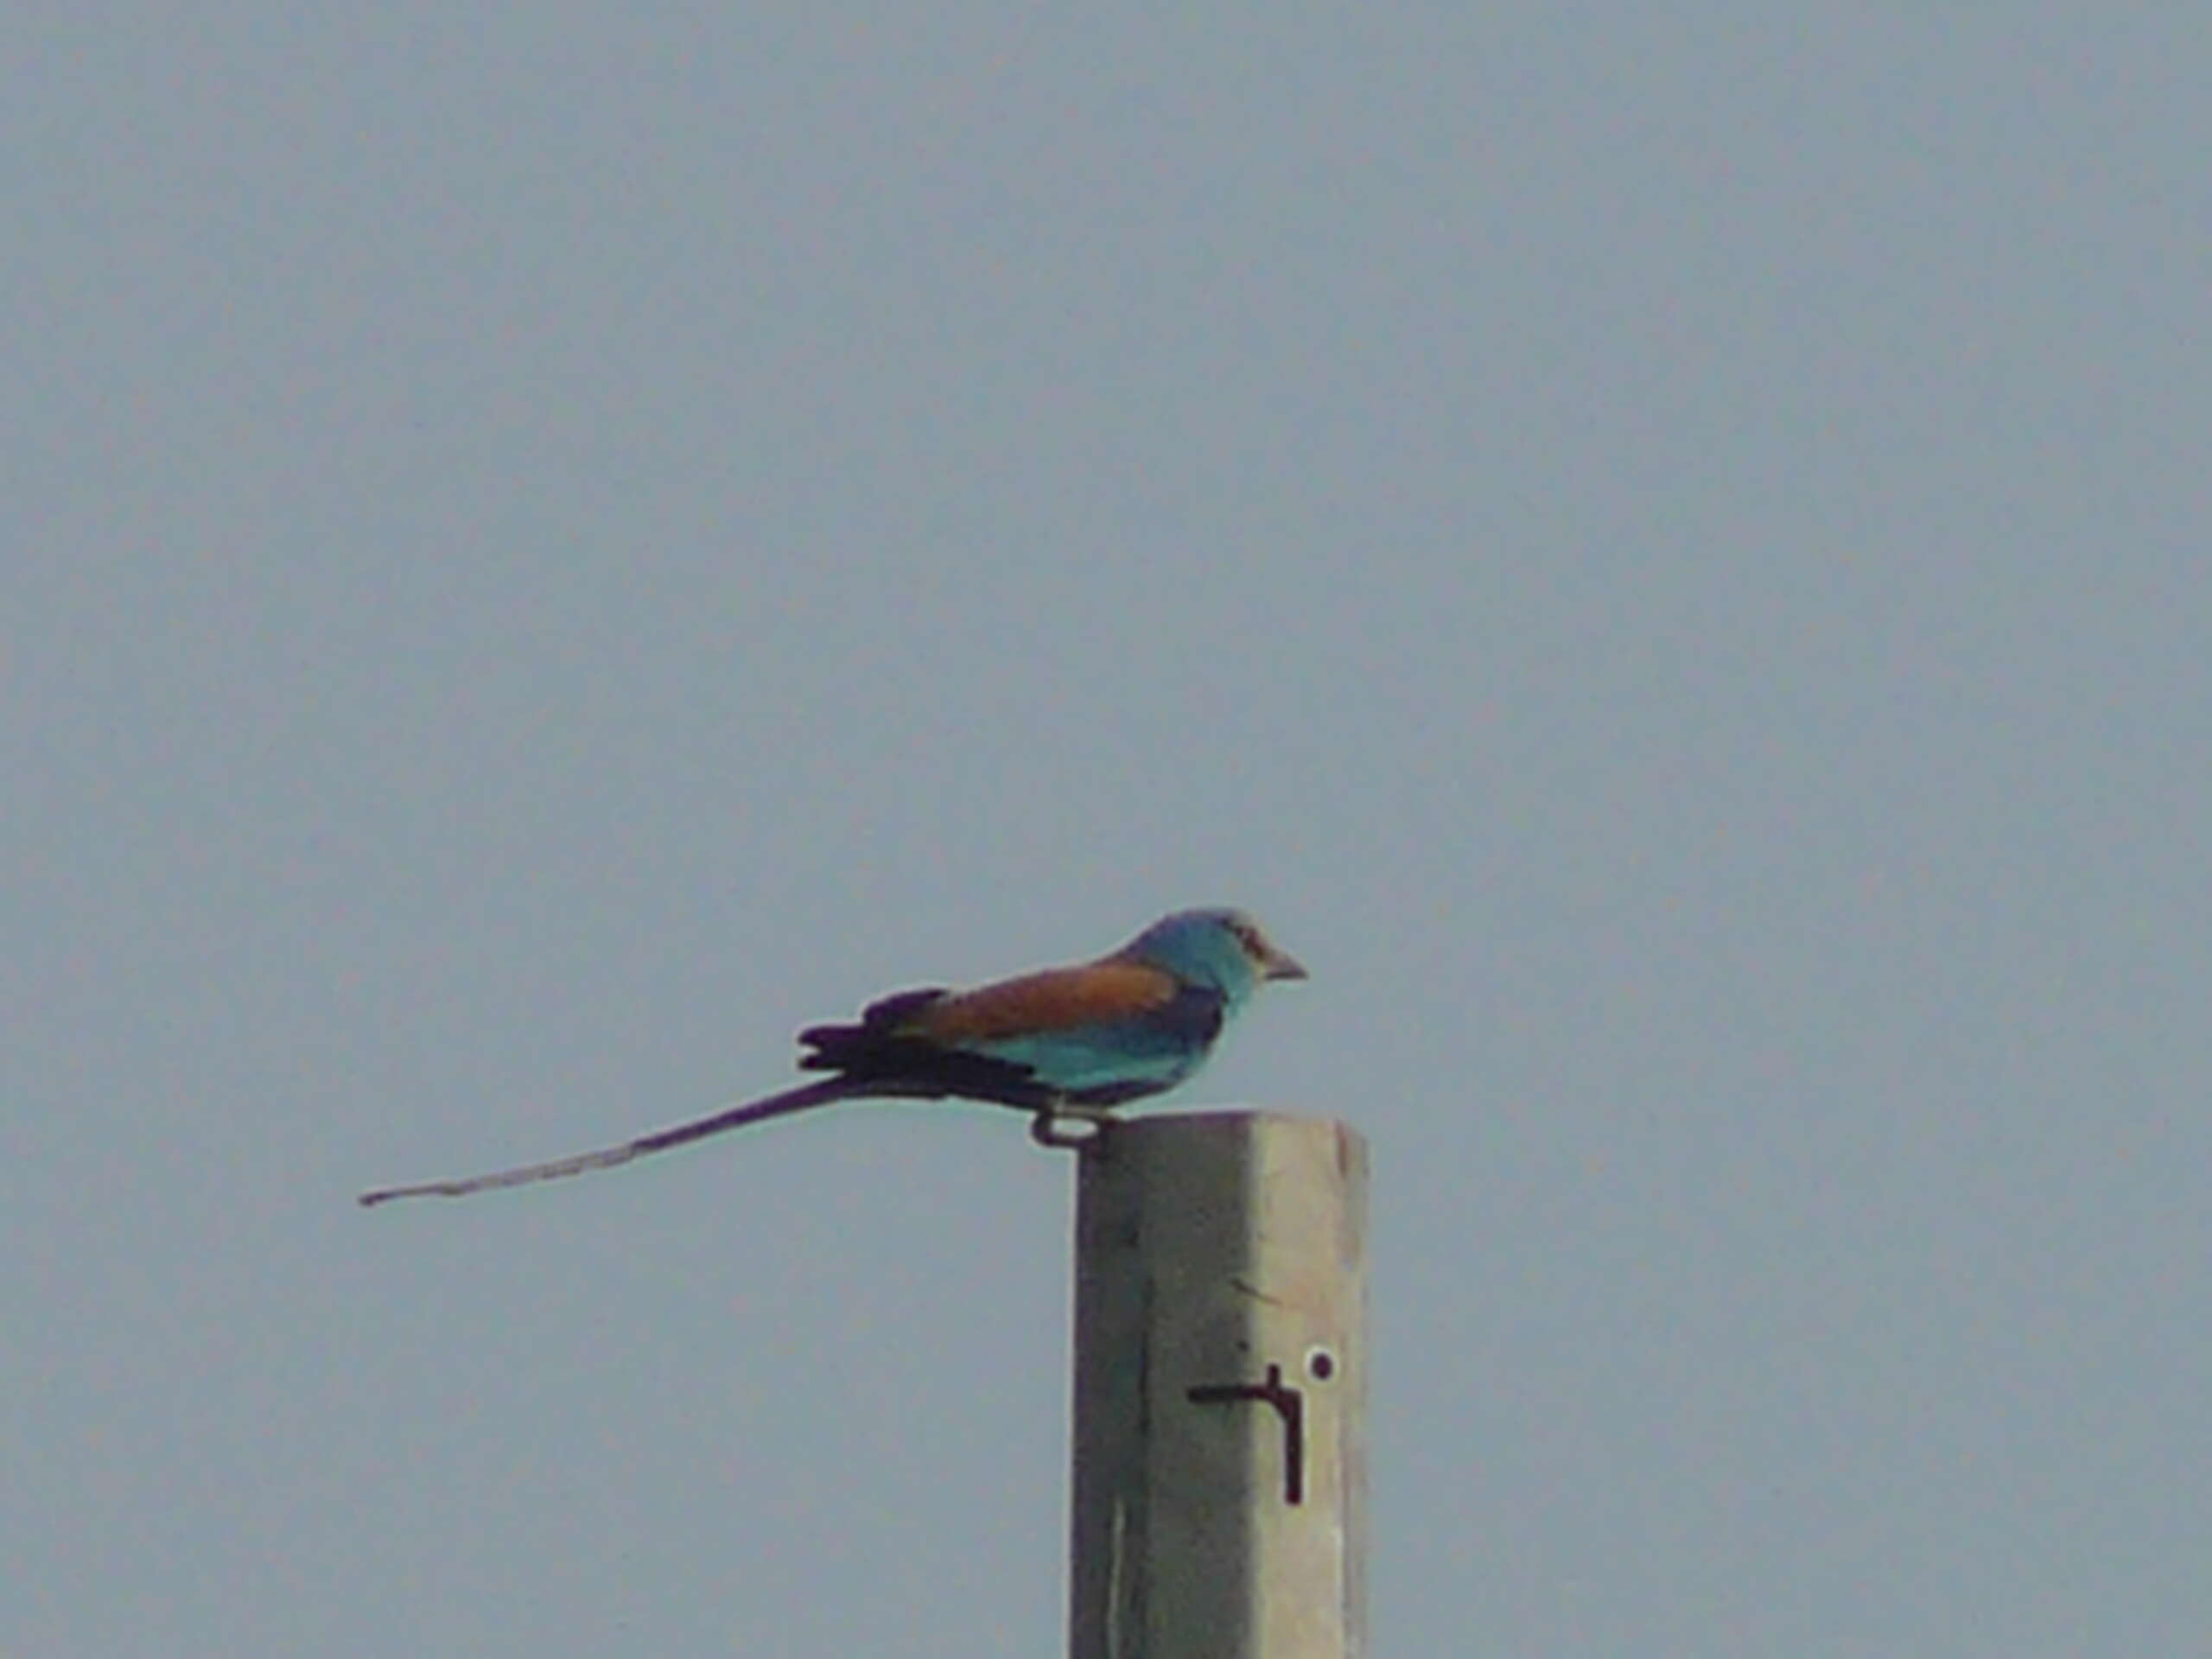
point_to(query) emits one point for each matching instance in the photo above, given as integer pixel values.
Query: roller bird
(1061, 1043)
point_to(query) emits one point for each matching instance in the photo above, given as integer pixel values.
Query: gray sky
(1660, 549)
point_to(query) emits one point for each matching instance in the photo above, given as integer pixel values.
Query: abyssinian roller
(1070, 1042)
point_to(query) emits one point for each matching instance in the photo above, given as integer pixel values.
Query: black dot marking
(1321, 1364)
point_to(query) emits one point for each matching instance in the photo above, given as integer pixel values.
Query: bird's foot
(1064, 1128)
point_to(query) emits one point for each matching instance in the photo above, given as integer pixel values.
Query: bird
(1059, 1043)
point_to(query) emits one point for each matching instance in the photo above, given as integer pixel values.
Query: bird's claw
(1062, 1131)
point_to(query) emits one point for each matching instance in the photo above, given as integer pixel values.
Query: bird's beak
(1281, 965)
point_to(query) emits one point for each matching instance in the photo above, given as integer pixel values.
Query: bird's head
(1220, 949)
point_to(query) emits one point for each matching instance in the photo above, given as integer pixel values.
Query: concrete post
(1220, 1469)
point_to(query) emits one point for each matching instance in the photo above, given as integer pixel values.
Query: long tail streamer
(733, 1117)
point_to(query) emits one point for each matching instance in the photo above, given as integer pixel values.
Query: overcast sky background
(1661, 549)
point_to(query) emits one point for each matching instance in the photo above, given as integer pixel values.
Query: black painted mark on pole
(1290, 1406)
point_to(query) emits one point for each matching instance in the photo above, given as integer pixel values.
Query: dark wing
(882, 1054)
(983, 1044)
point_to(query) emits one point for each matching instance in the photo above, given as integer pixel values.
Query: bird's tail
(733, 1117)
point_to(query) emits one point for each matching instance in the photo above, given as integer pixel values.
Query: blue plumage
(1220, 951)
(1072, 1040)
